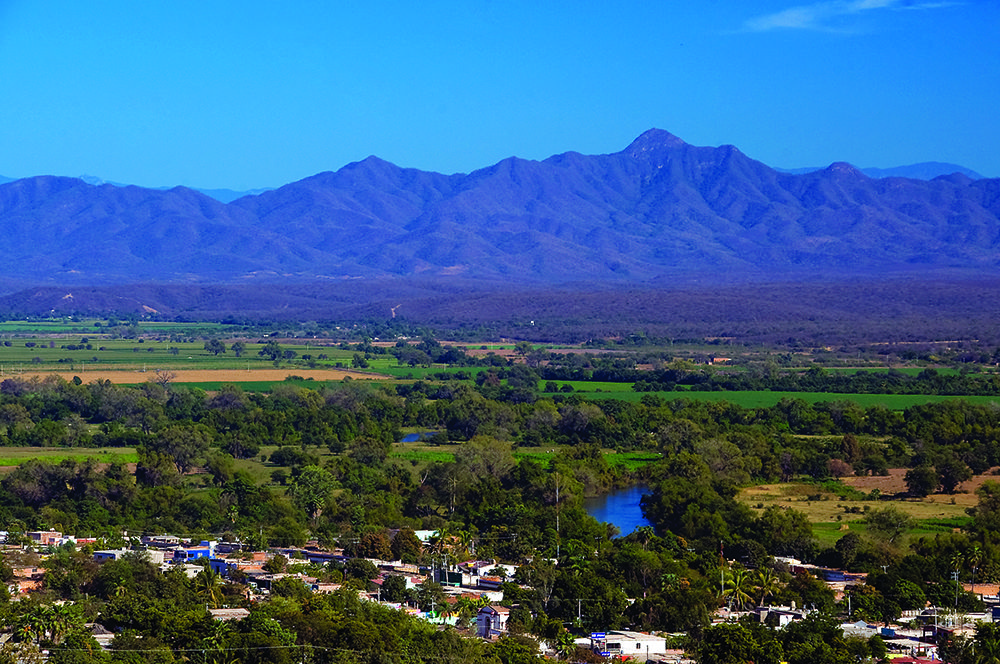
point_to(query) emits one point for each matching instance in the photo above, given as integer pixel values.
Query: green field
(420, 454)
(45, 353)
(766, 399)
(832, 513)
(15, 456)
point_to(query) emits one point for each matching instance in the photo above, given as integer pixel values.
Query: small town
(467, 595)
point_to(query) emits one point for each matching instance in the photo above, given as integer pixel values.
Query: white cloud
(829, 14)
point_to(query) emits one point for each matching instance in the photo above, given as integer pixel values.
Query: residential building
(628, 644)
(491, 621)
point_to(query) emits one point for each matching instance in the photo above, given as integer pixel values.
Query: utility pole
(722, 571)
(556, 477)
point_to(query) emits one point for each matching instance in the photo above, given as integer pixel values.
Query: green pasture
(32, 327)
(46, 354)
(99, 326)
(766, 399)
(909, 371)
(827, 533)
(15, 456)
(389, 366)
(588, 386)
(420, 454)
(834, 510)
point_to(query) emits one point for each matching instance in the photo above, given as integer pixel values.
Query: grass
(833, 508)
(765, 399)
(15, 456)
(46, 354)
(420, 454)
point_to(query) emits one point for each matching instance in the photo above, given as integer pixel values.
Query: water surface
(620, 508)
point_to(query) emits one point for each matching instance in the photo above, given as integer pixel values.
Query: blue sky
(258, 94)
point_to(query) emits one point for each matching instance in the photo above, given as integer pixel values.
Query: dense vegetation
(334, 477)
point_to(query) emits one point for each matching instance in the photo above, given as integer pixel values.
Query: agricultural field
(11, 457)
(767, 398)
(836, 507)
(93, 349)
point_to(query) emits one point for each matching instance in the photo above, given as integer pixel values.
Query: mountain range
(658, 211)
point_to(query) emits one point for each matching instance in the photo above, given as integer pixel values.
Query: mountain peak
(844, 169)
(653, 140)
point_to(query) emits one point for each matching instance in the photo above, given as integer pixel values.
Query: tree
(271, 350)
(275, 564)
(375, 545)
(393, 588)
(215, 346)
(987, 644)
(952, 471)
(786, 532)
(921, 481)
(738, 588)
(430, 596)
(20, 653)
(208, 582)
(184, 444)
(888, 524)
(311, 488)
(767, 584)
(291, 587)
(78, 648)
(739, 643)
(975, 558)
(238, 348)
(360, 569)
(406, 546)
(986, 513)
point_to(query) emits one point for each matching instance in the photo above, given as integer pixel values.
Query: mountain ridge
(658, 209)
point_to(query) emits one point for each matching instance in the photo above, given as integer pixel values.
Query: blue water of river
(620, 508)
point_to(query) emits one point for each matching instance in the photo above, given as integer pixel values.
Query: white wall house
(491, 621)
(629, 644)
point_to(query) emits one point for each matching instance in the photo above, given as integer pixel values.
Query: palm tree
(565, 644)
(208, 583)
(987, 651)
(27, 632)
(645, 534)
(739, 586)
(767, 583)
(42, 617)
(975, 557)
(439, 541)
(62, 619)
(467, 544)
(466, 609)
(956, 563)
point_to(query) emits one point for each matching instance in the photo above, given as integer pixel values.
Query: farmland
(11, 457)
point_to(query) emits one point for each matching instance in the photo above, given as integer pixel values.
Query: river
(620, 508)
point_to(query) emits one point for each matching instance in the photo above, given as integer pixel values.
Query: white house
(628, 644)
(152, 555)
(491, 621)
